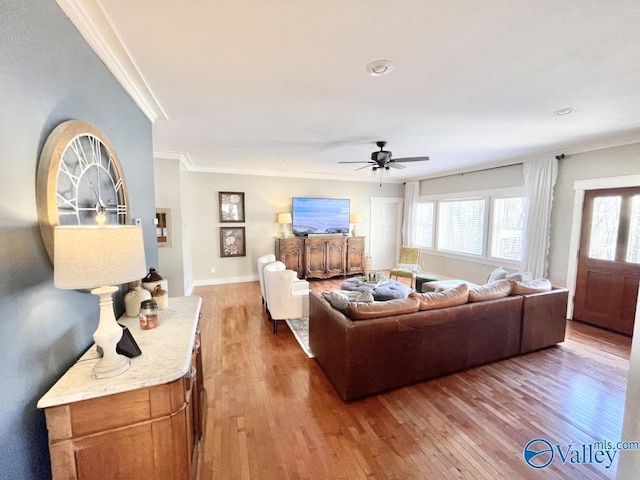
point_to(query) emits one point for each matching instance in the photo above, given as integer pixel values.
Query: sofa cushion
(341, 299)
(534, 286)
(367, 311)
(490, 291)
(446, 298)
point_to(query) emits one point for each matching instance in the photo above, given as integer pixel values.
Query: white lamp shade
(284, 218)
(354, 218)
(93, 256)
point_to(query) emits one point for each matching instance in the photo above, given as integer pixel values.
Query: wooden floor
(272, 414)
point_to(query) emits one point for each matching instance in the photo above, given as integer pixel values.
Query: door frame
(579, 187)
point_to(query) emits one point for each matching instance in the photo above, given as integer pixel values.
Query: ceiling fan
(383, 159)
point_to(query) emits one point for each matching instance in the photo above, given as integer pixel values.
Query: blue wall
(48, 74)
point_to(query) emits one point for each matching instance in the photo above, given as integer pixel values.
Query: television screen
(320, 215)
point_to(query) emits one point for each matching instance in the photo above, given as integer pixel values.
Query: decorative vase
(153, 279)
(161, 297)
(133, 299)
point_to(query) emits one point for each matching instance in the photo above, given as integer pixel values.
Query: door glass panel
(633, 245)
(604, 228)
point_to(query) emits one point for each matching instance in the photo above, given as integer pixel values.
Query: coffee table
(388, 290)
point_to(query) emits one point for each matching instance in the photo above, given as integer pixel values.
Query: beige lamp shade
(284, 218)
(93, 256)
(354, 218)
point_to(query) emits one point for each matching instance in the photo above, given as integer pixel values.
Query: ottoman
(424, 278)
(386, 291)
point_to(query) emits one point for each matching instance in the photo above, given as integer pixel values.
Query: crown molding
(628, 138)
(93, 24)
(182, 157)
(185, 159)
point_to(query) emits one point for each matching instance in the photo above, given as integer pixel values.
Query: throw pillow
(368, 311)
(520, 276)
(366, 297)
(490, 291)
(534, 286)
(447, 298)
(338, 300)
(341, 299)
(498, 274)
(410, 267)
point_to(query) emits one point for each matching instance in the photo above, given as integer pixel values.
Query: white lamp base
(107, 337)
(284, 230)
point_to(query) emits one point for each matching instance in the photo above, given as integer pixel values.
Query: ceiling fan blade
(410, 159)
(360, 168)
(396, 165)
(363, 161)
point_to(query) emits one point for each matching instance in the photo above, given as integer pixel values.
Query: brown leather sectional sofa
(362, 357)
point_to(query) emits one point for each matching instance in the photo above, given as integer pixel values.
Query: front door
(609, 259)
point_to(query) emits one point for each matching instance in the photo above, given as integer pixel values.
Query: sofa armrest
(544, 319)
(327, 340)
(299, 285)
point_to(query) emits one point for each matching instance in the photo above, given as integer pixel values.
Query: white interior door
(385, 235)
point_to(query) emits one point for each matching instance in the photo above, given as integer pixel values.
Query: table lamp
(284, 219)
(354, 219)
(99, 258)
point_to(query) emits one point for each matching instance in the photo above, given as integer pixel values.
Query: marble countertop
(166, 356)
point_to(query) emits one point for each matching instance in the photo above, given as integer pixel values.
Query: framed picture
(232, 242)
(231, 206)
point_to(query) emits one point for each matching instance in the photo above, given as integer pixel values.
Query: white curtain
(539, 180)
(410, 218)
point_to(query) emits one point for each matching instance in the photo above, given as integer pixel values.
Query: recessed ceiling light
(564, 111)
(377, 68)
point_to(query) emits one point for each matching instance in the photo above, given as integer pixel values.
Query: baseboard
(223, 281)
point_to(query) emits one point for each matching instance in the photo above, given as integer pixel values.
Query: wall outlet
(213, 269)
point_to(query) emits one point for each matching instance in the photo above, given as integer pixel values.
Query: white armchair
(287, 297)
(262, 262)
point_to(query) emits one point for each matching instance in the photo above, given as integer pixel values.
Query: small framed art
(231, 206)
(232, 242)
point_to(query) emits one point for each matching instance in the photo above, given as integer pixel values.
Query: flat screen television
(320, 215)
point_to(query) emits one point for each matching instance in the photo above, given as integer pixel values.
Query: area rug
(300, 329)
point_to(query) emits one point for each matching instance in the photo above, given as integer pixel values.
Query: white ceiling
(278, 87)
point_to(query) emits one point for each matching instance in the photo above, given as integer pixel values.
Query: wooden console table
(322, 256)
(146, 423)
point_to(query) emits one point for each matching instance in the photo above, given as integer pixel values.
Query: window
(425, 224)
(507, 228)
(486, 224)
(461, 226)
(633, 244)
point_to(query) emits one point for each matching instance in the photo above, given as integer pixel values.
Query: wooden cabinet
(140, 432)
(290, 251)
(355, 255)
(323, 256)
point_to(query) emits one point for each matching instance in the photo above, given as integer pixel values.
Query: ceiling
(279, 87)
